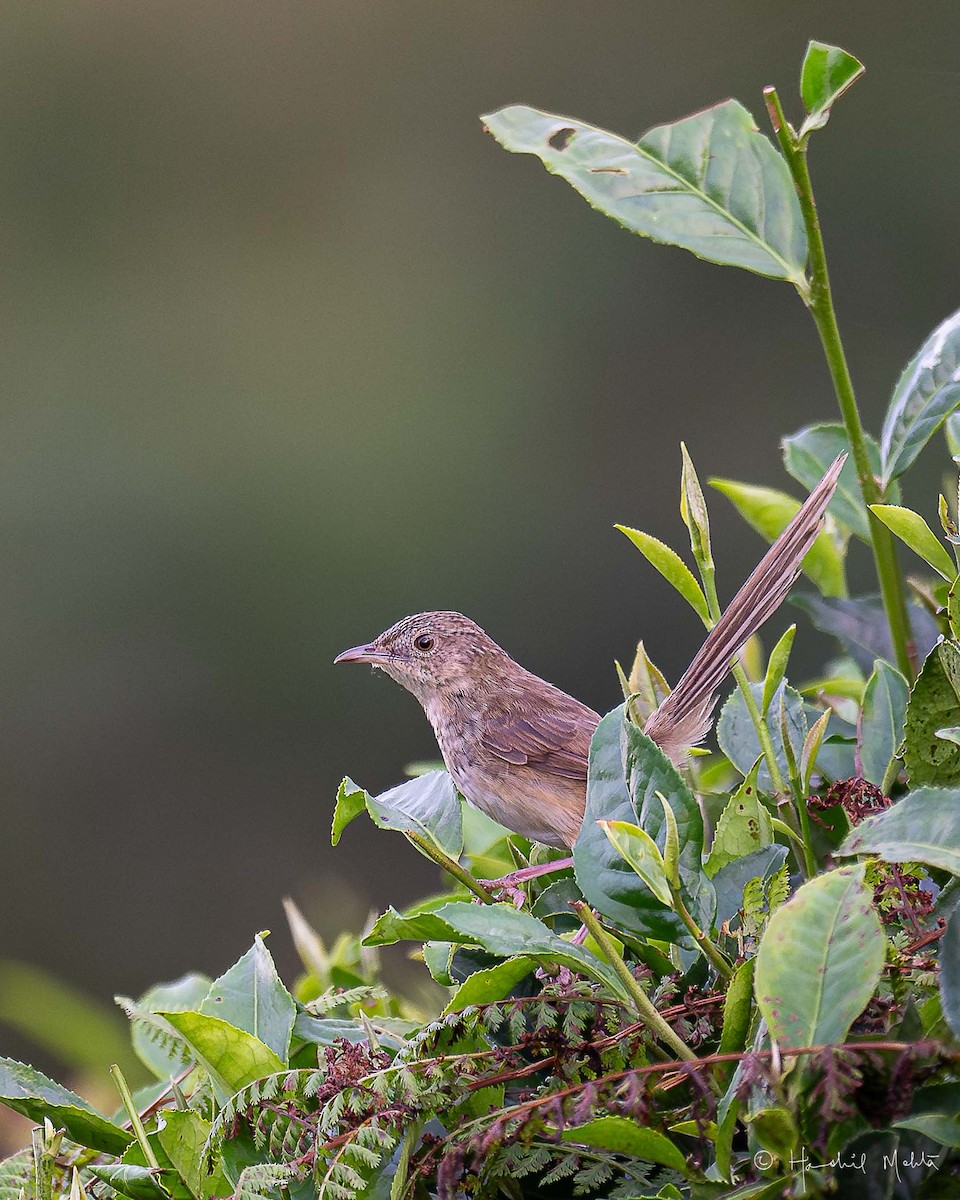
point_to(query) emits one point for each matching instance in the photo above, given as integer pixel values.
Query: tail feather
(683, 719)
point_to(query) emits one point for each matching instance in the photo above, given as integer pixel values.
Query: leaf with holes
(710, 183)
(820, 960)
(934, 704)
(744, 826)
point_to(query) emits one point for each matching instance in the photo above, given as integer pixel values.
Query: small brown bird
(516, 746)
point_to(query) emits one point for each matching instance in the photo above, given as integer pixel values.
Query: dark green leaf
(139, 1183)
(483, 987)
(820, 960)
(826, 74)
(775, 1130)
(251, 997)
(605, 879)
(738, 738)
(922, 827)
(624, 1136)
(27, 1091)
(861, 626)
(934, 705)
(182, 1135)
(881, 721)
(737, 1010)
(710, 183)
(769, 512)
(945, 1130)
(927, 392)
(808, 453)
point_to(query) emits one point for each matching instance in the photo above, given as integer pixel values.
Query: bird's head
(431, 654)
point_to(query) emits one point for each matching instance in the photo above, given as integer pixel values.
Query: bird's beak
(368, 654)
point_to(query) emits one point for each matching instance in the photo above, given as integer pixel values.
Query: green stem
(450, 865)
(641, 1001)
(134, 1117)
(707, 948)
(819, 299)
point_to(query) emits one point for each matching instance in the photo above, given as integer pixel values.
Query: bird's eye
(424, 642)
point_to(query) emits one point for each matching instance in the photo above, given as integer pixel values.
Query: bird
(516, 746)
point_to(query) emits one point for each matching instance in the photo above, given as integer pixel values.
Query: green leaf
(934, 704)
(949, 959)
(808, 453)
(775, 1130)
(139, 1183)
(428, 805)
(769, 512)
(484, 987)
(913, 530)
(640, 851)
(738, 738)
(820, 960)
(737, 1010)
(623, 1136)
(230, 1056)
(497, 928)
(693, 510)
(186, 993)
(351, 801)
(952, 734)
(744, 826)
(923, 827)
(811, 747)
(646, 686)
(927, 393)
(27, 1091)
(251, 997)
(936, 1126)
(777, 668)
(182, 1134)
(672, 567)
(861, 626)
(710, 183)
(827, 72)
(880, 731)
(730, 881)
(607, 882)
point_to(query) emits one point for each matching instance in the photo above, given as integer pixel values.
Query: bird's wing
(556, 743)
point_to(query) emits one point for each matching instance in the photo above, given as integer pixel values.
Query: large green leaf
(483, 987)
(769, 512)
(139, 1183)
(497, 928)
(826, 74)
(604, 877)
(230, 1056)
(808, 453)
(738, 738)
(934, 705)
(710, 183)
(624, 1136)
(27, 1091)
(642, 853)
(922, 827)
(428, 805)
(251, 997)
(820, 960)
(182, 1134)
(880, 729)
(861, 626)
(927, 393)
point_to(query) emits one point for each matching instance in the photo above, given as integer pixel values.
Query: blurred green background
(291, 349)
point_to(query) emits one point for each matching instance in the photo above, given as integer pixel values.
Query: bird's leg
(509, 884)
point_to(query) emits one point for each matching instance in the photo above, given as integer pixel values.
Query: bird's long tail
(683, 719)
